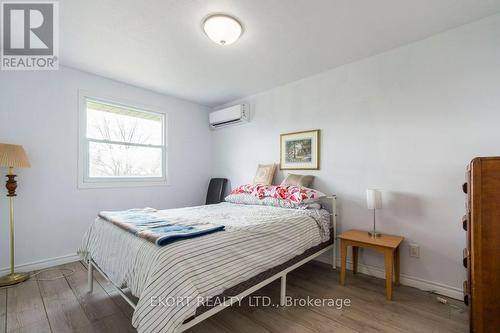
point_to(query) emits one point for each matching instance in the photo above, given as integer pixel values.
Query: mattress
(172, 282)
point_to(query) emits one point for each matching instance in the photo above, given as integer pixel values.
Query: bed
(176, 284)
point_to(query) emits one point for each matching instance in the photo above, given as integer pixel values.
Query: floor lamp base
(14, 278)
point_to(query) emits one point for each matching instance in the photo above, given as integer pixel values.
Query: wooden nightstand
(387, 244)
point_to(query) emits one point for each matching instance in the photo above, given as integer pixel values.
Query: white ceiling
(159, 45)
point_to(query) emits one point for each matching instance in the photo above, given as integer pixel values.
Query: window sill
(121, 184)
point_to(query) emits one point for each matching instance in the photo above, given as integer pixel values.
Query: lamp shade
(373, 199)
(13, 156)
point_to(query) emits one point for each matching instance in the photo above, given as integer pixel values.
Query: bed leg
(334, 255)
(283, 291)
(90, 276)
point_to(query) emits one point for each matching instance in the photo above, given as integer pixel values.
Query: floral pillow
(293, 194)
(249, 199)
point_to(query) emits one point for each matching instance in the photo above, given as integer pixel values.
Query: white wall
(39, 111)
(406, 121)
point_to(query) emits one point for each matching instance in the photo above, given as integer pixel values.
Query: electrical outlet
(414, 251)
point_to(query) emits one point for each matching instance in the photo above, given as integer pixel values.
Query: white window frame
(84, 181)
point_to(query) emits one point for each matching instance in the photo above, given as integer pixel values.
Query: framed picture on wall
(299, 150)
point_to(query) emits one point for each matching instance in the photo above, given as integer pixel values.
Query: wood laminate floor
(63, 305)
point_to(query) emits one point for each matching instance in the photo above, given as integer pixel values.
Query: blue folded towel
(146, 224)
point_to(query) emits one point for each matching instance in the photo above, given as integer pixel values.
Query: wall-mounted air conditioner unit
(229, 116)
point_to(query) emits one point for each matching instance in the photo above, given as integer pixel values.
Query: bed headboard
(329, 203)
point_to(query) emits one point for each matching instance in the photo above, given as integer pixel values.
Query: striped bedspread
(171, 281)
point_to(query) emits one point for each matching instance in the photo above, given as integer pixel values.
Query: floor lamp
(12, 156)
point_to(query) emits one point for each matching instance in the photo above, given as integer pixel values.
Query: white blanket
(256, 239)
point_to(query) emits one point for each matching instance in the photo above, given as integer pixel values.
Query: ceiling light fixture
(222, 29)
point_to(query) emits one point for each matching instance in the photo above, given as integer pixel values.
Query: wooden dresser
(482, 254)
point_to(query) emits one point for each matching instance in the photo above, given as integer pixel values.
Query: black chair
(216, 190)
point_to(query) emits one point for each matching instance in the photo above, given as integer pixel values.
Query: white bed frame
(281, 275)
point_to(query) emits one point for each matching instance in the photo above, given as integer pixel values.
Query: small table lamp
(12, 156)
(373, 201)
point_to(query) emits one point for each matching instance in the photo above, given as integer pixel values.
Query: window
(120, 145)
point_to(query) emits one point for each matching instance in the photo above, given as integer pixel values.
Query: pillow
(242, 199)
(313, 205)
(297, 180)
(264, 174)
(311, 195)
(249, 199)
(316, 198)
(288, 204)
(293, 194)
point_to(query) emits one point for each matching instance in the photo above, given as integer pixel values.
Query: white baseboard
(41, 264)
(406, 280)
